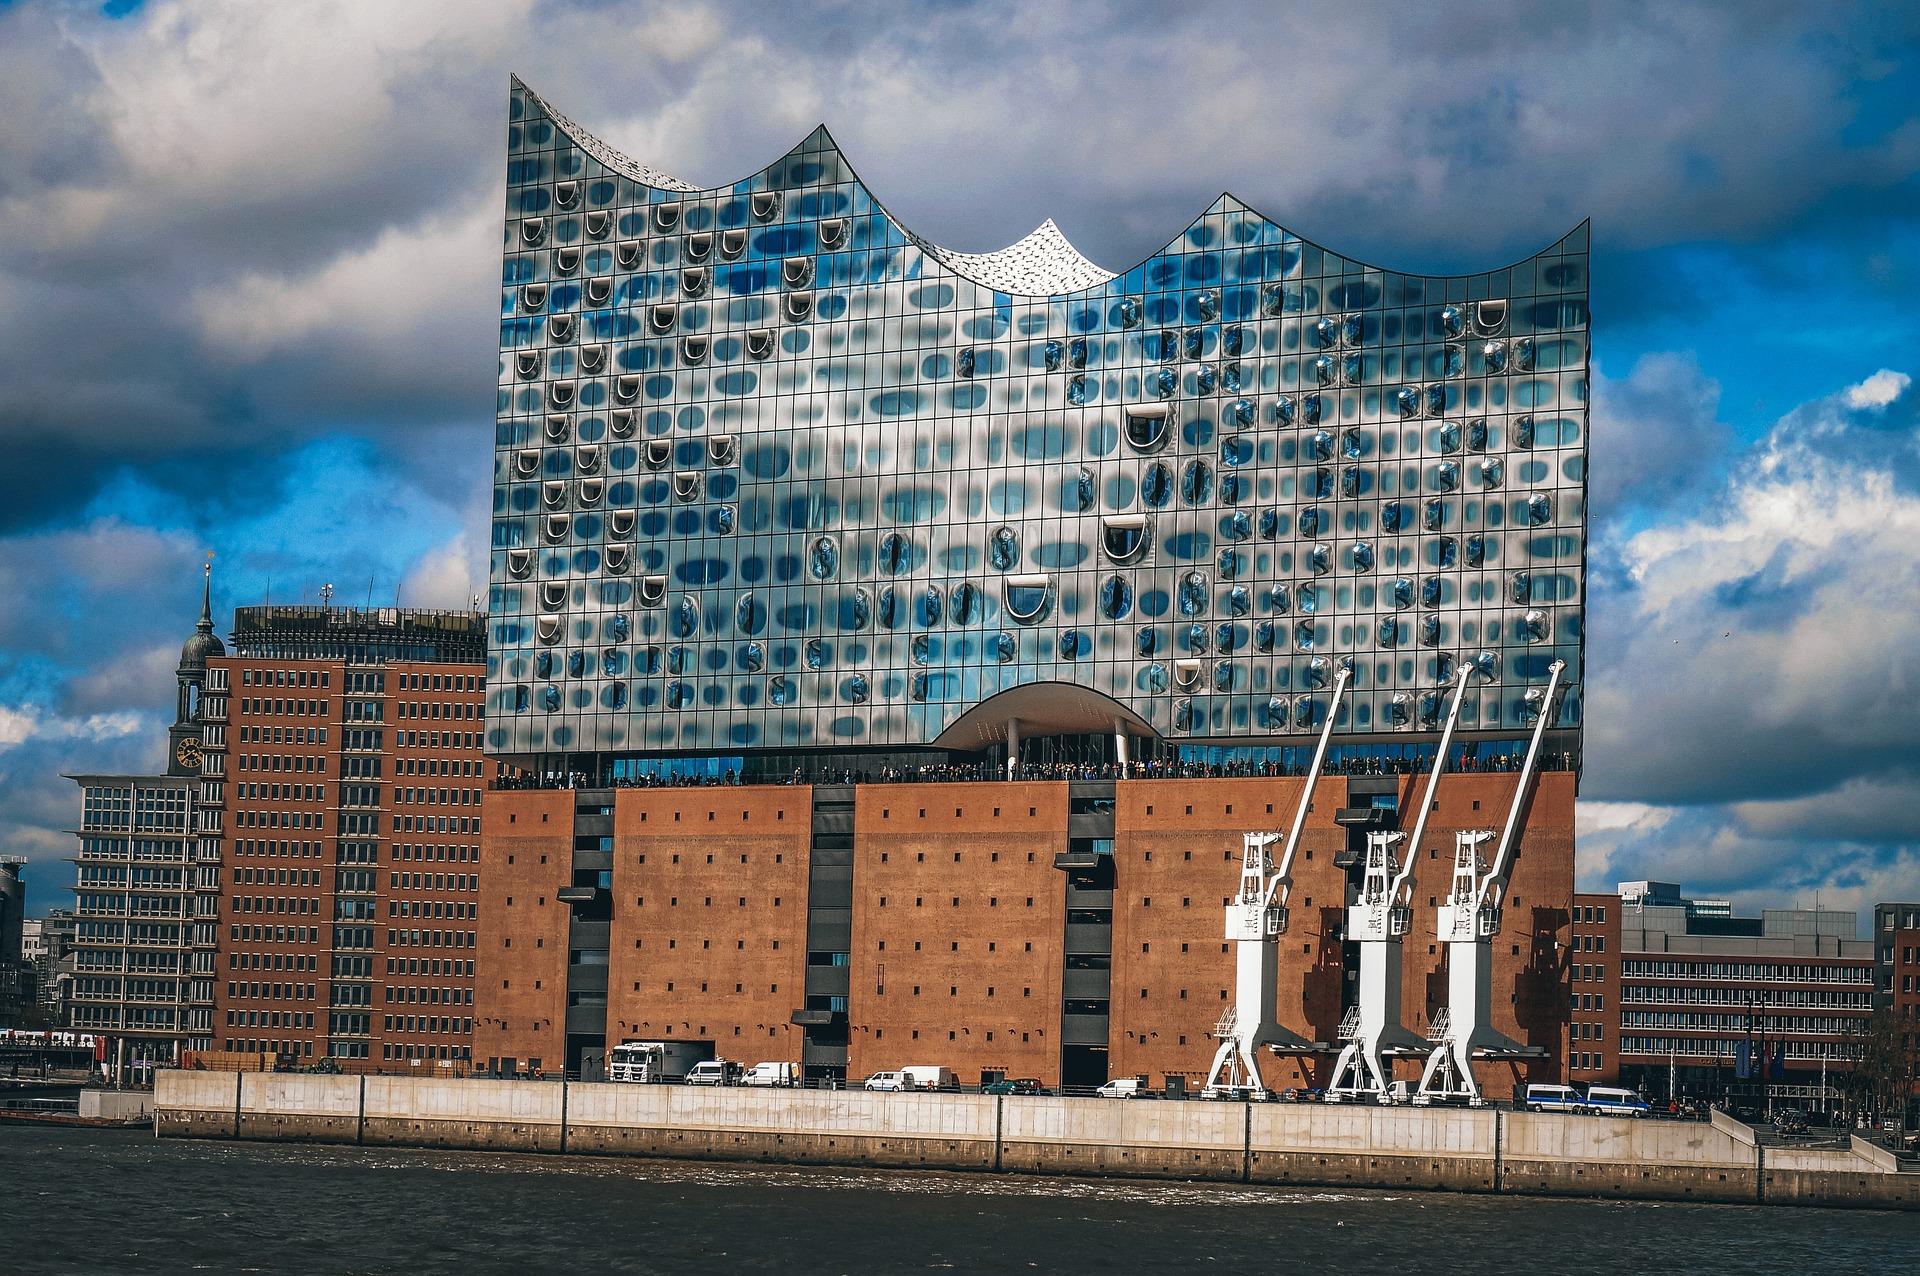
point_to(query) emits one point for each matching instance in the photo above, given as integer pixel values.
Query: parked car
(1018, 1085)
(885, 1081)
(1554, 1098)
(714, 1072)
(1613, 1101)
(772, 1074)
(1123, 1088)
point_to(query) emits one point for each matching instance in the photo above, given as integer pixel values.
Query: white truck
(772, 1074)
(928, 1077)
(656, 1062)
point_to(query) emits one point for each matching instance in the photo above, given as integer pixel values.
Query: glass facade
(771, 473)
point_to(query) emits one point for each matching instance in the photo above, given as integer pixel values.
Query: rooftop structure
(775, 475)
(359, 636)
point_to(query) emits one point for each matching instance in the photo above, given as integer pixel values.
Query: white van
(1613, 1101)
(928, 1077)
(1122, 1088)
(773, 1074)
(1554, 1098)
(713, 1072)
(885, 1081)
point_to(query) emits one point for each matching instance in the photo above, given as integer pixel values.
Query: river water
(89, 1201)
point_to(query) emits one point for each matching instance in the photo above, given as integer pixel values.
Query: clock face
(188, 754)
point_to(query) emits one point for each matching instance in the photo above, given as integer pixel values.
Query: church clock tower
(183, 738)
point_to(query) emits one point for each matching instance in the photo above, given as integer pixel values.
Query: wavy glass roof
(772, 473)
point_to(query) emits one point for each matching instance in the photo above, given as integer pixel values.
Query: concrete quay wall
(1455, 1149)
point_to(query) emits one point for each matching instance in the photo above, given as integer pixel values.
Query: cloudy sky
(248, 272)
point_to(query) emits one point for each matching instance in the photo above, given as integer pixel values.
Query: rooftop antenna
(326, 594)
(369, 591)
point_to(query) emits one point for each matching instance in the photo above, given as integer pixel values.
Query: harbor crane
(1469, 921)
(1256, 919)
(1378, 920)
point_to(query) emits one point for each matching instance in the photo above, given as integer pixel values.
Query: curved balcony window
(1495, 355)
(1309, 600)
(620, 421)
(1207, 302)
(686, 486)
(1192, 594)
(732, 243)
(930, 607)
(1433, 515)
(1353, 443)
(1400, 594)
(1116, 598)
(823, 561)
(1027, 598)
(590, 491)
(1447, 438)
(1453, 320)
(1077, 352)
(1489, 316)
(1400, 709)
(1446, 476)
(1350, 481)
(626, 389)
(1316, 484)
(816, 654)
(1230, 383)
(560, 395)
(1486, 666)
(1320, 559)
(1074, 645)
(1362, 556)
(749, 616)
(1186, 674)
(1280, 598)
(653, 590)
(1533, 703)
(1523, 432)
(527, 364)
(557, 526)
(527, 463)
(1394, 517)
(1476, 550)
(519, 563)
(1284, 410)
(1492, 472)
(1148, 426)
(619, 559)
(548, 628)
(1436, 399)
(686, 618)
(1305, 634)
(678, 660)
(1443, 669)
(679, 694)
(1326, 332)
(558, 428)
(1314, 677)
(1431, 591)
(1326, 371)
(966, 603)
(699, 245)
(779, 691)
(627, 253)
(796, 307)
(963, 363)
(1520, 589)
(1311, 406)
(1453, 361)
(860, 610)
(1236, 526)
(1156, 485)
(1352, 370)
(1084, 490)
(1003, 549)
(693, 350)
(1446, 551)
(1239, 601)
(857, 688)
(550, 699)
(1077, 391)
(544, 664)
(662, 318)
(1523, 355)
(1313, 521)
(532, 231)
(920, 648)
(1430, 631)
(889, 610)
(1241, 414)
(759, 342)
(587, 460)
(917, 687)
(1534, 626)
(1477, 435)
(725, 518)
(1224, 673)
(1406, 401)
(1154, 678)
(1196, 483)
(1389, 632)
(765, 205)
(1269, 524)
(1004, 648)
(1131, 312)
(1053, 354)
(566, 260)
(613, 662)
(896, 553)
(1203, 380)
(1146, 642)
(1230, 563)
(1195, 639)
(657, 453)
(1263, 637)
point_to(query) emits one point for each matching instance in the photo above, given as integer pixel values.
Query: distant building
(47, 944)
(1593, 981)
(16, 975)
(1721, 1007)
(1896, 962)
(344, 774)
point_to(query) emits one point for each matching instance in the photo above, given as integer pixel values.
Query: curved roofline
(949, 257)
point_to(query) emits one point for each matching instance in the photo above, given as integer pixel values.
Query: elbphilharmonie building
(773, 474)
(893, 649)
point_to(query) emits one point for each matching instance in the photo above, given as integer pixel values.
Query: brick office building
(1593, 978)
(992, 576)
(349, 743)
